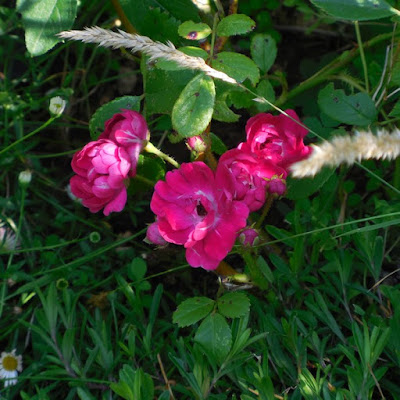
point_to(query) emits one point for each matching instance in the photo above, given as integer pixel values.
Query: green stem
(266, 208)
(213, 36)
(362, 54)
(48, 122)
(150, 148)
(348, 79)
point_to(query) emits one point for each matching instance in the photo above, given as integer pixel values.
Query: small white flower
(57, 106)
(25, 177)
(10, 365)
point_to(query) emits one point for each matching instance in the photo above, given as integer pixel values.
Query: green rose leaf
(169, 65)
(159, 19)
(193, 110)
(194, 31)
(194, 51)
(163, 87)
(357, 109)
(265, 90)
(106, 111)
(356, 10)
(263, 51)
(233, 304)
(301, 188)
(217, 145)
(395, 110)
(223, 113)
(215, 336)
(235, 24)
(237, 66)
(43, 19)
(192, 310)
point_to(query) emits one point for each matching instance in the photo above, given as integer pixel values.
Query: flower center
(201, 211)
(10, 363)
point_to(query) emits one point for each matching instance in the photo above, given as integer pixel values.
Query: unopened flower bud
(57, 106)
(153, 235)
(24, 178)
(249, 237)
(276, 185)
(196, 144)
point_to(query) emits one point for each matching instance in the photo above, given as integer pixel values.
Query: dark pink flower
(129, 130)
(196, 209)
(276, 138)
(101, 168)
(252, 177)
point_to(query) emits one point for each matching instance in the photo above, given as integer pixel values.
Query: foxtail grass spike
(349, 149)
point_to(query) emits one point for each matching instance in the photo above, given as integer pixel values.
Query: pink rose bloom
(129, 130)
(252, 177)
(276, 138)
(101, 169)
(196, 209)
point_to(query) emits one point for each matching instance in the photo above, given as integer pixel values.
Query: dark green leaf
(192, 310)
(233, 304)
(193, 110)
(265, 89)
(237, 66)
(217, 145)
(357, 109)
(163, 88)
(149, 167)
(137, 269)
(263, 51)
(235, 24)
(396, 110)
(356, 10)
(215, 336)
(159, 19)
(223, 113)
(301, 188)
(106, 111)
(43, 20)
(265, 269)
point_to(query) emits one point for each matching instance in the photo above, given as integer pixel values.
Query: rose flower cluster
(103, 167)
(205, 210)
(201, 209)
